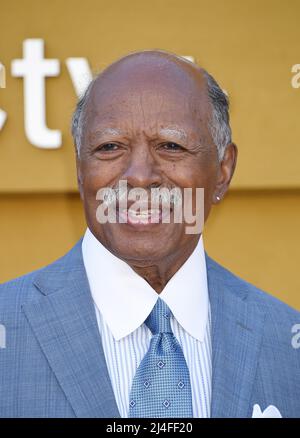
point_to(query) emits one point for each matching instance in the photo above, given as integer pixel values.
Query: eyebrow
(95, 136)
(177, 133)
(108, 131)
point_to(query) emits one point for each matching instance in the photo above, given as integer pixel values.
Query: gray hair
(78, 117)
(219, 125)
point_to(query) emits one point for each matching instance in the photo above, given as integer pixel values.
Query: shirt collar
(125, 299)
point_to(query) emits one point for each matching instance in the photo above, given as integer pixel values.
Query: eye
(171, 146)
(108, 147)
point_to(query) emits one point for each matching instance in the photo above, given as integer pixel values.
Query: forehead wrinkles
(153, 93)
(145, 109)
(131, 107)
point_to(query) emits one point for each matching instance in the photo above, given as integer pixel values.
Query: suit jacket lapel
(64, 321)
(237, 328)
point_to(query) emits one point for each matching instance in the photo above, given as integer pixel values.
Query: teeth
(143, 213)
(152, 215)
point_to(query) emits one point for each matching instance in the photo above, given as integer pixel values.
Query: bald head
(148, 73)
(156, 65)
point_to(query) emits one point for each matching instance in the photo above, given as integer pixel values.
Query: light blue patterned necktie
(161, 386)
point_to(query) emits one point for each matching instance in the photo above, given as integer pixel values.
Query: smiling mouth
(144, 217)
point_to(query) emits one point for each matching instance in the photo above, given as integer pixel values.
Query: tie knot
(159, 319)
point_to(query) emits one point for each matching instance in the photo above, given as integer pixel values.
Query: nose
(142, 169)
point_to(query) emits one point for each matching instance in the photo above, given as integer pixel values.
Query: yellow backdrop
(249, 46)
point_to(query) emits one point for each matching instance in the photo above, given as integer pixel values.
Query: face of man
(146, 122)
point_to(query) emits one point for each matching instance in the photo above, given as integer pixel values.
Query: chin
(140, 250)
(130, 244)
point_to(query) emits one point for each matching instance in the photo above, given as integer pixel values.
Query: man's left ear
(225, 172)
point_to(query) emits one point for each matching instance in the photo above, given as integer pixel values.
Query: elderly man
(136, 320)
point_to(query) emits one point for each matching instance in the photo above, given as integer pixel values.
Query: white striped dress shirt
(123, 300)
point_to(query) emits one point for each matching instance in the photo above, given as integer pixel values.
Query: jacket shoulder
(17, 291)
(245, 290)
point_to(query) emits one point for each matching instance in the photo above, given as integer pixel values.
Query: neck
(157, 273)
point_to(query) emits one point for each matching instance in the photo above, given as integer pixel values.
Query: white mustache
(163, 195)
